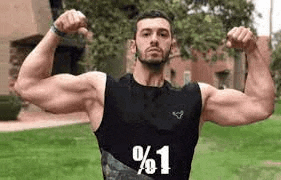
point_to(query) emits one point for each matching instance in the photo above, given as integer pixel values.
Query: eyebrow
(160, 29)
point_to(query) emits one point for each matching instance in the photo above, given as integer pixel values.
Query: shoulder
(207, 91)
(94, 80)
(93, 77)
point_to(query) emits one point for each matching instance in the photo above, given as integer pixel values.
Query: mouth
(154, 49)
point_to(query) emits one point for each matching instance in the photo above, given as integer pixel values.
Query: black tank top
(148, 132)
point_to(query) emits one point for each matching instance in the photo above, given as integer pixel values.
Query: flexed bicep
(231, 107)
(65, 93)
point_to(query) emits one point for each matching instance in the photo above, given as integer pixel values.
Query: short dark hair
(153, 14)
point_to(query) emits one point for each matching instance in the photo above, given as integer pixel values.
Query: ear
(132, 46)
(174, 46)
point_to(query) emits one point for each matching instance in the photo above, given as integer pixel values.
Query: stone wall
(19, 20)
(18, 53)
(24, 18)
(4, 67)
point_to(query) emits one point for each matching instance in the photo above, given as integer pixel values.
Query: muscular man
(141, 116)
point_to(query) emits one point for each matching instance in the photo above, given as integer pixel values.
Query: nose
(154, 40)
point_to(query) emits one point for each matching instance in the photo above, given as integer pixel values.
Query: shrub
(10, 107)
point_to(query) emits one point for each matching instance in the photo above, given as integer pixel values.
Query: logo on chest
(179, 114)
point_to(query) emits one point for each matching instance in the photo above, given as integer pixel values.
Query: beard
(153, 61)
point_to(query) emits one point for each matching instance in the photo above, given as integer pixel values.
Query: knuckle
(66, 26)
(67, 11)
(76, 22)
(80, 13)
(83, 18)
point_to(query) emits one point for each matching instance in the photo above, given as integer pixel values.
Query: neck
(149, 74)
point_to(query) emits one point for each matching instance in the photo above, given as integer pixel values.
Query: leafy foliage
(110, 26)
(200, 26)
(10, 107)
(233, 13)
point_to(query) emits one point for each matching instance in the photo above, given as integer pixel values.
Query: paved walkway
(32, 120)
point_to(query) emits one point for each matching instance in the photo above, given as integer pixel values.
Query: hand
(72, 21)
(241, 38)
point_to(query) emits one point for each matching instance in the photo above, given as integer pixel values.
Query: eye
(145, 34)
(164, 34)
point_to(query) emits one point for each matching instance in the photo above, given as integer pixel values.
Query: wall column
(4, 66)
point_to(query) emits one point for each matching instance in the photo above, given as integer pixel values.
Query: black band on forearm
(57, 31)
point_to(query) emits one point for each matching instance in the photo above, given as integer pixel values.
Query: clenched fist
(72, 21)
(241, 38)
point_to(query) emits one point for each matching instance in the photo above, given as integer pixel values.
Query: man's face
(153, 40)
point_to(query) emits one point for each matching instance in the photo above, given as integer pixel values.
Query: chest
(155, 109)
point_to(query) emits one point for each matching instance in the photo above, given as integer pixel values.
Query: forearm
(232, 107)
(259, 83)
(38, 64)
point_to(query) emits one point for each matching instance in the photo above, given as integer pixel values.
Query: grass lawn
(251, 152)
(71, 152)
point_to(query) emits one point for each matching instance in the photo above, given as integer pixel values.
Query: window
(187, 77)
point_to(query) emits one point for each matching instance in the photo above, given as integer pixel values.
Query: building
(25, 22)
(229, 72)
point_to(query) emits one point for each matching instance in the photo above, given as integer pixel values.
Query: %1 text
(149, 164)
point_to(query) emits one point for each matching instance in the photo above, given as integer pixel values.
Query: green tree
(200, 26)
(233, 12)
(110, 26)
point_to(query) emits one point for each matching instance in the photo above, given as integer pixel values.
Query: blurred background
(71, 152)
